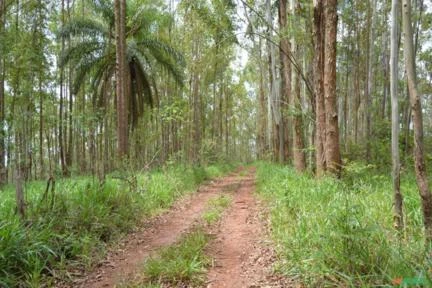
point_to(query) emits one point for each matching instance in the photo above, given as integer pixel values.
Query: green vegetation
(339, 233)
(72, 231)
(182, 263)
(216, 207)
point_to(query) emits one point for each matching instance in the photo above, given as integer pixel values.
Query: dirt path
(123, 263)
(242, 256)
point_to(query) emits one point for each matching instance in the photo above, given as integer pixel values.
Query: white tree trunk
(394, 59)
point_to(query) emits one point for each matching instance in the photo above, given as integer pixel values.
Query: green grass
(216, 206)
(340, 233)
(182, 263)
(83, 220)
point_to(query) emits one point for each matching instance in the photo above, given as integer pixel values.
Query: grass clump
(216, 207)
(73, 228)
(182, 263)
(339, 233)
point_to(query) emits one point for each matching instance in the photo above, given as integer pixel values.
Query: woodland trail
(241, 256)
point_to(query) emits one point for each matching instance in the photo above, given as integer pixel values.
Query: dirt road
(242, 255)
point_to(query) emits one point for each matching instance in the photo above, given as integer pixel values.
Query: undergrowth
(216, 206)
(72, 229)
(339, 232)
(184, 263)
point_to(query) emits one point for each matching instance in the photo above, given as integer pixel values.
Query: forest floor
(240, 251)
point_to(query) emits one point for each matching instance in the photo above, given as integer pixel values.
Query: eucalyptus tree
(95, 50)
(298, 141)
(394, 61)
(417, 113)
(284, 47)
(274, 82)
(2, 91)
(332, 149)
(318, 71)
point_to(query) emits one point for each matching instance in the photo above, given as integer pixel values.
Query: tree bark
(262, 123)
(394, 60)
(332, 152)
(3, 178)
(370, 58)
(318, 67)
(61, 106)
(196, 131)
(298, 142)
(19, 194)
(286, 79)
(274, 90)
(121, 78)
(415, 102)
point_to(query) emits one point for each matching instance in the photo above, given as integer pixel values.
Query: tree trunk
(394, 60)
(196, 135)
(19, 193)
(262, 112)
(319, 87)
(121, 78)
(298, 143)
(61, 105)
(41, 129)
(286, 79)
(370, 58)
(332, 152)
(386, 72)
(3, 178)
(420, 165)
(274, 90)
(70, 130)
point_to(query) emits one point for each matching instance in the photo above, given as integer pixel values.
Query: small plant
(184, 262)
(216, 208)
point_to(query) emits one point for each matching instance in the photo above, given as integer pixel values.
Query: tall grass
(85, 216)
(339, 233)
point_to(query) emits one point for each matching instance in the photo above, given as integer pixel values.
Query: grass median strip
(216, 208)
(184, 263)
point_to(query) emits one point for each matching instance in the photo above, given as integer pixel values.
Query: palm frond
(159, 46)
(142, 62)
(82, 69)
(141, 94)
(79, 50)
(170, 65)
(102, 71)
(105, 8)
(141, 86)
(100, 83)
(84, 27)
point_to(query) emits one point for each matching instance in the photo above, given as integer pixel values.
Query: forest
(215, 143)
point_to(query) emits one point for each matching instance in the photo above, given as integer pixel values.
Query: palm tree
(92, 54)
